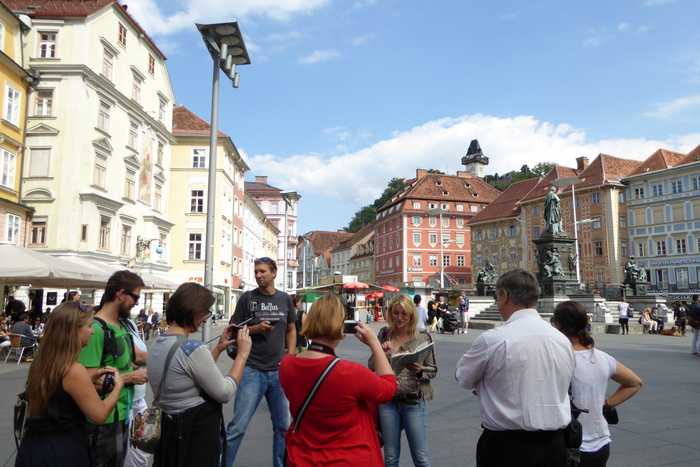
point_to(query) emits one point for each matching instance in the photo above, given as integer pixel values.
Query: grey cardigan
(429, 365)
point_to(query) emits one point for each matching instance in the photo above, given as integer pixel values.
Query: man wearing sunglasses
(111, 346)
(272, 328)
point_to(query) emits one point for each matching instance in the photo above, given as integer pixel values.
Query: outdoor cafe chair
(16, 345)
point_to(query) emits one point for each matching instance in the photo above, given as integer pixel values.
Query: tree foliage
(501, 182)
(366, 214)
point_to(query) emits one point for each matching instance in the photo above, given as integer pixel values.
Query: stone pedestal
(635, 288)
(641, 302)
(485, 289)
(556, 271)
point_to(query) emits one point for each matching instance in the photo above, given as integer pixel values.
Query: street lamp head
(224, 42)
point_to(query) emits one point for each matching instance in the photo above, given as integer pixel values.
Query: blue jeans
(412, 418)
(254, 385)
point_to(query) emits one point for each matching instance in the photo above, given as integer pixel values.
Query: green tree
(394, 186)
(366, 214)
(362, 218)
(542, 168)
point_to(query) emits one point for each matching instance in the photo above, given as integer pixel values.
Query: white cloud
(623, 27)
(677, 108)
(356, 179)
(320, 56)
(361, 40)
(162, 23)
(658, 2)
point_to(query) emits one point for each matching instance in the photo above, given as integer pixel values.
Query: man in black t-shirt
(272, 329)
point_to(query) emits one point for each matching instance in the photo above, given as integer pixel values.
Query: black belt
(409, 399)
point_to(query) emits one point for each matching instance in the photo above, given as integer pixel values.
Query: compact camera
(108, 383)
(349, 327)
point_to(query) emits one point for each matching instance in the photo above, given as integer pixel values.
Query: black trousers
(597, 458)
(624, 326)
(521, 448)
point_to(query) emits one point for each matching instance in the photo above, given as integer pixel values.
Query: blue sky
(341, 96)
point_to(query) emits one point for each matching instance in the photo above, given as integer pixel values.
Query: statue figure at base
(634, 273)
(487, 273)
(549, 263)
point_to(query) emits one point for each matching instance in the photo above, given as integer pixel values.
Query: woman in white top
(623, 316)
(593, 369)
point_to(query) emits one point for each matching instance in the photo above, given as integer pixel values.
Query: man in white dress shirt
(521, 372)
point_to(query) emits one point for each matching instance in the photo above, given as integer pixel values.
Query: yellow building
(189, 173)
(15, 86)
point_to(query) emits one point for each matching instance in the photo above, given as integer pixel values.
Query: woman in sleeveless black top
(61, 393)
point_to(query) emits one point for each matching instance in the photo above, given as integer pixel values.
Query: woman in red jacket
(337, 428)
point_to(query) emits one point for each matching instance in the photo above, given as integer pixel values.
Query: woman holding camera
(193, 389)
(593, 369)
(61, 393)
(407, 409)
(337, 429)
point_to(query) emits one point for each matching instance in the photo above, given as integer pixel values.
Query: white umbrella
(22, 266)
(151, 281)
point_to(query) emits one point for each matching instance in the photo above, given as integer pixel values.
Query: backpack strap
(109, 345)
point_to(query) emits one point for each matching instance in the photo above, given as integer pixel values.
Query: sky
(344, 95)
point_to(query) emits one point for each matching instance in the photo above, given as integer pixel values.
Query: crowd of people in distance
(88, 379)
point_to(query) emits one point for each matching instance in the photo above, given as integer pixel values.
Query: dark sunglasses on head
(264, 259)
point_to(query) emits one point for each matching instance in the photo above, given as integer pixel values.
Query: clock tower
(475, 162)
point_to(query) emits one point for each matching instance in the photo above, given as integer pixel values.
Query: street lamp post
(226, 47)
(561, 183)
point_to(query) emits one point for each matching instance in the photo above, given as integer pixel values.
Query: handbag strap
(311, 395)
(180, 340)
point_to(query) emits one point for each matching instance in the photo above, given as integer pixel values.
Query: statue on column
(552, 214)
(634, 273)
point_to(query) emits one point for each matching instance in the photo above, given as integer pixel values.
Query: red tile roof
(507, 205)
(557, 172)
(252, 187)
(323, 242)
(356, 237)
(693, 156)
(446, 188)
(604, 170)
(186, 123)
(71, 9)
(661, 159)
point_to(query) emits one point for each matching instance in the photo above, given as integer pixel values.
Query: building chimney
(420, 173)
(261, 179)
(581, 163)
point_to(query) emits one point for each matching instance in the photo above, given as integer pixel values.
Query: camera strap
(314, 389)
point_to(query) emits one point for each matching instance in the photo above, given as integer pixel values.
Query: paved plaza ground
(658, 427)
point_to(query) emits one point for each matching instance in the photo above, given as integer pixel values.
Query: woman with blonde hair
(337, 428)
(61, 393)
(407, 408)
(647, 322)
(590, 382)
